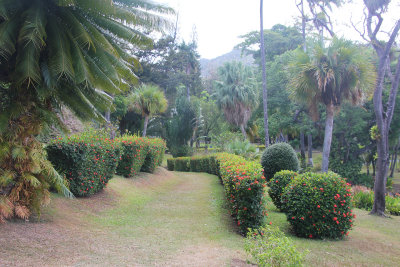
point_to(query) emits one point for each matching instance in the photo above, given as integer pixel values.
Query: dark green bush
(182, 164)
(156, 150)
(88, 161)
(181, 151)
(318, 205)
(277, 184)
(170, 164)
(200, 164)
(134, 153)
(361, 179)
(277, 157)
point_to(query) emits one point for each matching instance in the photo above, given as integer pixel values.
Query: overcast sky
(219, 23)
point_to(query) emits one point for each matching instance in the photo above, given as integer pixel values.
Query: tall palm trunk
(309, 144)
(264, 74)
(302, 146)
(328, 137)
(243, 131)
(146, 122)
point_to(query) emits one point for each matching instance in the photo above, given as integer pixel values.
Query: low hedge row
(88, 160)
(139, 154)
(364, 199)
(243, 182)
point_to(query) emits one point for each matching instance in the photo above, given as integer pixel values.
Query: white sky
(218, 23)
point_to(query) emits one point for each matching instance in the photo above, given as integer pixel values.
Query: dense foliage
(277, 157)
(277, 185)
(319, 205)
(155, 155)
(364, 199)
(269, 246)
(87, 160)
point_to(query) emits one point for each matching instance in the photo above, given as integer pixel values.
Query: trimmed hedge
(170, 164)
(243, 182)
(88, 161)
(155, 155)
(182, 164)
(318, 205)
(277, 157)
(277, 185)
(133, 154)
(200, 164)
(139, 154)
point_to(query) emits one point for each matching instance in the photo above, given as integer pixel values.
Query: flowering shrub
(277, 157)
(318, 205)
(170, 164)
(269, 246)
(155, 155)
(139, 154)
(243, 182)
(277, 185)
(88, 160)
(134, 152)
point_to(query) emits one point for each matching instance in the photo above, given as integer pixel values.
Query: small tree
(236, 94)
(148, 100)
(331, 76)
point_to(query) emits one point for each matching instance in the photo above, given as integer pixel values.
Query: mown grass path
(165, 219)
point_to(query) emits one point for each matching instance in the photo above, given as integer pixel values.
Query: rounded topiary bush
(279, 157)
(277, 184)
(318, 205)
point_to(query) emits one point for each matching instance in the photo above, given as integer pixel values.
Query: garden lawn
(163, 219)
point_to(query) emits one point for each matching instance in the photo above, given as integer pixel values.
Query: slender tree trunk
(243, 131)
(393, 166)
(309, 143)
(302, 146)
(146, 122)
(264, 74)
(373, 168)
(367, 164)
(328, 137)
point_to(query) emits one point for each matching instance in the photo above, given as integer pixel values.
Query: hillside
(209, 66)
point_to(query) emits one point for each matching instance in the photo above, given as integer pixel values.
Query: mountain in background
(209, 66)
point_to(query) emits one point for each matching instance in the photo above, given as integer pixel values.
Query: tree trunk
(309, 143)
(393, 166)
(328, 137)
(367, 164)
(243, 131)
(264, 75)
(146, 121)
(302, 146)
(373, 168)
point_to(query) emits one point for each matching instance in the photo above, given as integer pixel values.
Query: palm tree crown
(236, 94)
(148, 100)
(341, 72)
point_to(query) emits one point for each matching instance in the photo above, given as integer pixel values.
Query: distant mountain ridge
(209, 66)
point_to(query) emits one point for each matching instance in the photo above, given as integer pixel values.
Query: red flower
(318, 206)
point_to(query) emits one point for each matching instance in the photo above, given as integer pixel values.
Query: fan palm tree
(54, 53)
(330, 76)
(148, 100)
(236, 94)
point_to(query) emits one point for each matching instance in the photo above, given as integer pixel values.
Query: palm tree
(236, 94)
(264, 74)
(331, 76)
(56, 53)
(148, 100)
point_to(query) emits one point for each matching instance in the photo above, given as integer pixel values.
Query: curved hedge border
(88, 161)
(243, 182)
